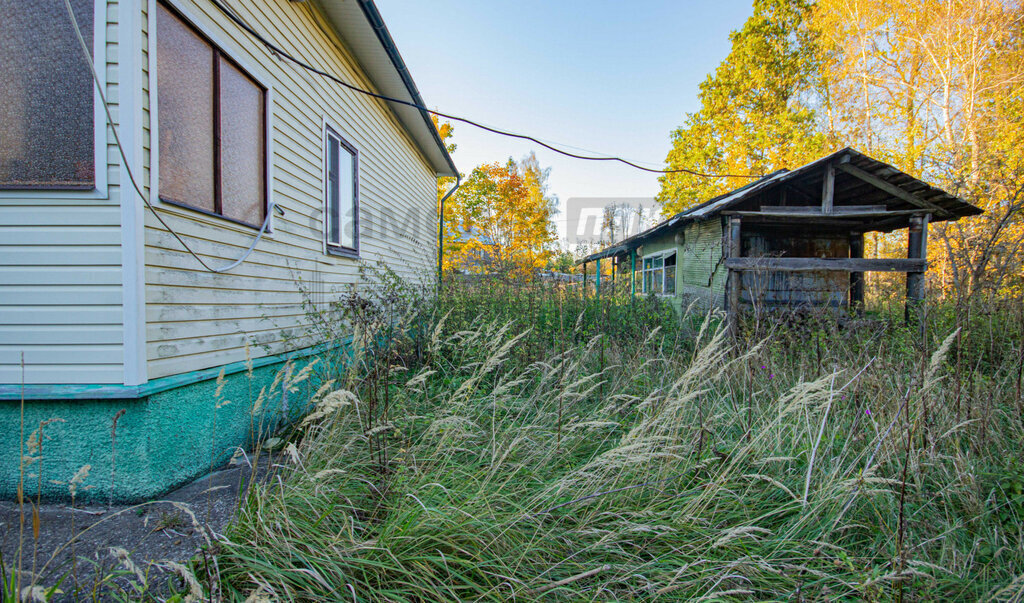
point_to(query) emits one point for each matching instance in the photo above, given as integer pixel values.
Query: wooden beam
(830, 264)
(837, 210)
(857, 278)
(826, 217)
(828, 188)
(917, 248)
(732, 293)
(892, 189)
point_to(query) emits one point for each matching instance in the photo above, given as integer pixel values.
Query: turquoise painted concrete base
(163, 439)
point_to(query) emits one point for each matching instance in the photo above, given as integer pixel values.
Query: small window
(47, 120)
(341, 191)
(212, 126)
(659, 274)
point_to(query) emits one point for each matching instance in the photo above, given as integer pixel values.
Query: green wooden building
(789, 239)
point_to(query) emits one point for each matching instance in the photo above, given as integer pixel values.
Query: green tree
(755, 113)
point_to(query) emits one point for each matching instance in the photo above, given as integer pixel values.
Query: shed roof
(898, 188)
(363, 31)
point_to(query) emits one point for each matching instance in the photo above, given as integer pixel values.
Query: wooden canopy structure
(812, 221)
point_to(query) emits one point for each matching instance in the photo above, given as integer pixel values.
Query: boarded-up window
(47, 124)
(342, 194)
(212, 125)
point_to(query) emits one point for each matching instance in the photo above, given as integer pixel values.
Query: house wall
(700, 267)
(702, 272)
(61, 259)
(196, 319)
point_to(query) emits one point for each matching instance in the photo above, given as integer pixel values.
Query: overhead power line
(278, 51)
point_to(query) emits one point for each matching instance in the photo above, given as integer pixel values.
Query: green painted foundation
(176, 431)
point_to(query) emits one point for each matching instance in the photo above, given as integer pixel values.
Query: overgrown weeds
(522, 443)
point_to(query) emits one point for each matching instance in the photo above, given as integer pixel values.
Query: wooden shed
(791, 238)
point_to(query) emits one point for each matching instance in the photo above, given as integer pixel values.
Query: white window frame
(100, 165)
(252, 69)
(664, 255)
(329, 128)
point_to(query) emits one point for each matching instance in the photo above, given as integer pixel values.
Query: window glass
(242, 155)
(185, 111)
(333, 205)
(212, 126)
(341, 193)
(656, 280)
(670, 273)
(47, 124)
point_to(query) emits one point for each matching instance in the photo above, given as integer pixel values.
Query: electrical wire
(279, 52)
(87, 56)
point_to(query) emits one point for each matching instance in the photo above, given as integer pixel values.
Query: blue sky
(609, 76)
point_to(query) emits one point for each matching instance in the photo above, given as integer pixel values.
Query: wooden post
(828, 188)
(917, 248)
(632, 273)
(584, 280)
(733, 285)
(857, 278)
(597, 277)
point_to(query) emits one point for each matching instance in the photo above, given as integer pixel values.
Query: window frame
(219, 45)
(662, 255)
(100, 164)
(329, 248)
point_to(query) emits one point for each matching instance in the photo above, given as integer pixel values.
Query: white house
(101, 306)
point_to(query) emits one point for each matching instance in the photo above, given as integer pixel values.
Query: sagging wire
(87, 57)
(280, 53)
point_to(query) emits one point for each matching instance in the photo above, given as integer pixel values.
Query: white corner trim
(133, 259)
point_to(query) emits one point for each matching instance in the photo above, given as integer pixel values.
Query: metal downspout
(440, 230)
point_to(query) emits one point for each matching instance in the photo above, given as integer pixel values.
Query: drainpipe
(440, 230)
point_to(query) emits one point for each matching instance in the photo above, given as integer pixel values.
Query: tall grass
(527, 443)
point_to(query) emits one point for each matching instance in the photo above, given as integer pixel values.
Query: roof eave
(362, 29)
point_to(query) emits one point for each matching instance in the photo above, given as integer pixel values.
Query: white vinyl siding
(61, 262)
(196, 319)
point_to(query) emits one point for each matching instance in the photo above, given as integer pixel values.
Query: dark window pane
(241, 145)
(47, 132)
(185, 112)
(333, 205)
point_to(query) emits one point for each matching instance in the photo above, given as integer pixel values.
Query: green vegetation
(524, 443)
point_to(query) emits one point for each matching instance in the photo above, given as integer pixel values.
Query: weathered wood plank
(735, 282)
(828, 188)
(917, 247)
(857, 278)
(837, 210)
(836, 264)
(817, 215)
(892, 189)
